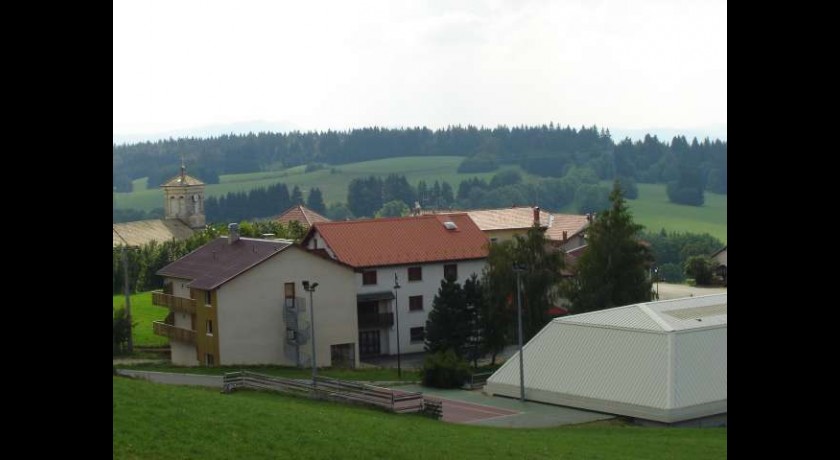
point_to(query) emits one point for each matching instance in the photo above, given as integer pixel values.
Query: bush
(700, 268)
(478, 163)
(445, 369)
(121, 330)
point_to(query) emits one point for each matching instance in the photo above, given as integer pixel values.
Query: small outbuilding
(662, 361)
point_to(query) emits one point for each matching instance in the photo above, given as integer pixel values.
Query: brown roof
(302, 214)
(217, 262)
(142, 232)
(570, 223)
(402, 240)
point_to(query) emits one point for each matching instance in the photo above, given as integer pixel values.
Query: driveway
(676, 291)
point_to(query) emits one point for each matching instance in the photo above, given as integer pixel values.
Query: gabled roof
(570, 223)
(402, 240)
(508, 218)
(142, 232)
(218, 262)
(718, 251)
(302, 214)
(522, 217)
(661, 316)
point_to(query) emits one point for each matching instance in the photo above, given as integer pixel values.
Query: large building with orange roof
(414, 253)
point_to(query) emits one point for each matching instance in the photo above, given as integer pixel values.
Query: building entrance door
(369, 343)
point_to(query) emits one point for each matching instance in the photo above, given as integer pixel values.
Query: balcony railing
(376, 320)
(174, 333)
(179, 304)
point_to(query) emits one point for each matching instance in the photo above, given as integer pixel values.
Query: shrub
(445, 369)
(121, 330)
(700, 268)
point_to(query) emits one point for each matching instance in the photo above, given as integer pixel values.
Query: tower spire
(183, 170)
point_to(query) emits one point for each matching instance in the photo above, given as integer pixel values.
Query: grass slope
(143, 313)
(371, 374)
(653, 210)
(333, 186)
(170, 422)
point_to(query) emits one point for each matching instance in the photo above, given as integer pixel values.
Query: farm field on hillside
(143, 313)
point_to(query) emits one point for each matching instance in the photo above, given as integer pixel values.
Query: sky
(191, 67)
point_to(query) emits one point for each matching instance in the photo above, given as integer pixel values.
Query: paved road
(676, 291)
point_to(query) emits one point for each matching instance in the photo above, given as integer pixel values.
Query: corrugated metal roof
(142, 232)
(217, 262)
(402, 240)
(661, 316)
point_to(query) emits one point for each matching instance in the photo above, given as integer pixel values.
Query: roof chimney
(589, 217)
(233, 233)
(565, 236)
(537, 215)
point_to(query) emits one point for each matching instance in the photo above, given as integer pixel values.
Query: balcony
(174, 333)
(179, 304)
(375, 320)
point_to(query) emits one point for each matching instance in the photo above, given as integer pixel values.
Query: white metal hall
(663, 361)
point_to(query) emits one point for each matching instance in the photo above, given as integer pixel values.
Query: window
(369, 277)
(450, 271)
(415, 273)
(207, 298)
(417, 334)
(210, 359)
(493, 240)
(209, 327)
(415, 303)
(289, 294)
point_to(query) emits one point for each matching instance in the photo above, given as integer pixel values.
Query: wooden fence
(332, 389)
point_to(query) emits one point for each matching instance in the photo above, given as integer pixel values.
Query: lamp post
(519, 268)
(127, 299)
(397, 311)
(656, 274)
(310, 290)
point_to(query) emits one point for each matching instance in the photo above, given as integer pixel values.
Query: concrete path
(529, 414)
(175, 379)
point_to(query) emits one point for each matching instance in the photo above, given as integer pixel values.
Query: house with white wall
(417, 252)
(241, 301)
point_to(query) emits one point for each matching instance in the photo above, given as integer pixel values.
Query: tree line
(547, 150)
(262, 202)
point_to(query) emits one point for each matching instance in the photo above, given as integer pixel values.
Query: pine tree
(315, 201)
(448, 326)
(613, 270)
(297, 196)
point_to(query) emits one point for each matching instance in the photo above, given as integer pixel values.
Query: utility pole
(519, 269)
(127, 299)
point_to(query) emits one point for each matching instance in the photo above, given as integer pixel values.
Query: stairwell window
(207, 298)
(209, 359)
(450, 271)
(209, 327)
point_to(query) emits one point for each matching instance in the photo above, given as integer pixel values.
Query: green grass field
(333, 186)
(172, 422)
(143, 313)
(652, 209)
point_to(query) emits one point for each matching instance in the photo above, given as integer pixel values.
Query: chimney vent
(233, 233)
(565, 236)
(536, 215)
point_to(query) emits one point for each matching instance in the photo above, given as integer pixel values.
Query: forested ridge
(688, 167)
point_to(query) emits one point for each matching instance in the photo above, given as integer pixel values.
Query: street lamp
(656, 275)
(310, 290)
(397, 311)
(519, 268)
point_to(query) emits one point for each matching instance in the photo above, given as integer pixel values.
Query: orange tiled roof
(302, 214)
(402, 240)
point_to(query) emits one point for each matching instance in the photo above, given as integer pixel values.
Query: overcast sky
(180, 65)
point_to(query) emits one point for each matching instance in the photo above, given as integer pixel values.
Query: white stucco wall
(427, 287)
(183, 354)
(251, 328)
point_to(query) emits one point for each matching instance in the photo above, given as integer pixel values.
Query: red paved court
(462, 412)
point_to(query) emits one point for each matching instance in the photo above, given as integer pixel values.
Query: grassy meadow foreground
(171, 422)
